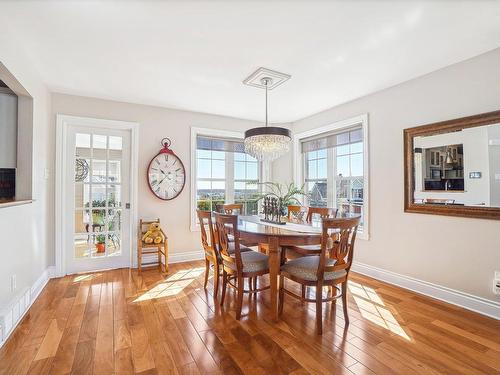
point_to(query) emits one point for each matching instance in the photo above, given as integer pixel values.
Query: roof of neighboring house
(319, 190)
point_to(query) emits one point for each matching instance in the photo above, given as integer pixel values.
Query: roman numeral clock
(166, 173)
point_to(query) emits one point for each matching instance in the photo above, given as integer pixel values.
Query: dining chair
(330, 268)
(232, 208)
(322, 213)
(295, 212)
(208, 242)
(236, 263)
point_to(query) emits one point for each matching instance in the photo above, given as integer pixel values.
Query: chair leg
(165, 248)
(281, 301)
(255, 283)
(302, 293)
(224, 283)
(216, 280)
(344, 302)
(283, 256)
(319, 306)
(334, 301)
(139, 260)
(207, 271)
(239, 301)
(159, 258)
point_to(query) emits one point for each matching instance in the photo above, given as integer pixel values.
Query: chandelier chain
(267, 143)
(266, 82)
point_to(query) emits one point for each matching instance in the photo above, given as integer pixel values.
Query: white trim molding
(455, 297)
(63, 122)
(186, 256)
(13, 313)
(337, 126)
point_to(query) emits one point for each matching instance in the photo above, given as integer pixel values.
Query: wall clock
(166, 173)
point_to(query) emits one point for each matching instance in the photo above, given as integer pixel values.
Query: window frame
(299, 162)
(263, 168)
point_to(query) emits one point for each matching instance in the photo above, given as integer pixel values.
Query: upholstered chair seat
(307, 268)
(253, 261)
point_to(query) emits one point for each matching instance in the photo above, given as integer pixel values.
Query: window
(332, 167)
(210, 179)
(246, 174)
(316, 172)
(349, 184)
(224, 173)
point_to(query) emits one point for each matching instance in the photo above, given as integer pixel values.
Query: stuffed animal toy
(153, 234)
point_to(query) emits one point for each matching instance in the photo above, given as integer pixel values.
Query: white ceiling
(194, 55)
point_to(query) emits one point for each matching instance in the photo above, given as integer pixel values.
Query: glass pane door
(100, 185)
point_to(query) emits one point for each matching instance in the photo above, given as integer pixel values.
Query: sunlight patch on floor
(173, 285)
(372, 308)
(87, 277)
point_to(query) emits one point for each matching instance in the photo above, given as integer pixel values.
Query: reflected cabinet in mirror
(453, 167)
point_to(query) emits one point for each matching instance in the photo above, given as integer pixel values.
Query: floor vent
(10, 317)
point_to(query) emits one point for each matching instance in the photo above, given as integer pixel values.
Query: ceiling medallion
(267, 143)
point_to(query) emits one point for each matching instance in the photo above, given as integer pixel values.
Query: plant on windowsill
(101, 243)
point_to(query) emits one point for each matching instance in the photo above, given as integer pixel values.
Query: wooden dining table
(254, 231)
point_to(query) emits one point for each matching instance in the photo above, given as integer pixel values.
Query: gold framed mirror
(453, 167)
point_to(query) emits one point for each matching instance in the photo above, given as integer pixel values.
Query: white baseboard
(455, 297)
(186, 256)
(13, 313)
(177, 257)
(40, 283)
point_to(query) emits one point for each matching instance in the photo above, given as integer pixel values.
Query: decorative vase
(100, 247)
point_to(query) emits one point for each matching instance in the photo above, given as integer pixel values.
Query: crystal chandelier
(267, 143)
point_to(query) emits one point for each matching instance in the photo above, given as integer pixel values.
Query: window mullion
(331, 186)
(229, 177)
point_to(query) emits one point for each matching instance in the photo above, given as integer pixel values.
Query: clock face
(166, 176)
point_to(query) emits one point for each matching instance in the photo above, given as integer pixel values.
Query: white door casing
(79, 228)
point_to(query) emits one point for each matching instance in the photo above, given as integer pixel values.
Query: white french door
(96, 217)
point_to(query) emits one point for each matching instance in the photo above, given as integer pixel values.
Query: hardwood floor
(122, 323)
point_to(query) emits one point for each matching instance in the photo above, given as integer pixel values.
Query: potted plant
(100, 243)
(285, 195)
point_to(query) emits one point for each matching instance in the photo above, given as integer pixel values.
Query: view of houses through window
(333, 171)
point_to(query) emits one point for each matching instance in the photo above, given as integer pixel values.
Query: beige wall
(26, 232)
(155, 124)
(458, 253)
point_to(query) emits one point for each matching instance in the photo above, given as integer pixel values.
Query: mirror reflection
(458, 168)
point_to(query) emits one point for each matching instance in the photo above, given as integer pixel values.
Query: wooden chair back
(230, 208)
(207, 240)
(226, 224)
(337, 242)
(322, 212)
(294, 211)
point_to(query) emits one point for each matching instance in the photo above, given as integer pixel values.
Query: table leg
(274, 267)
